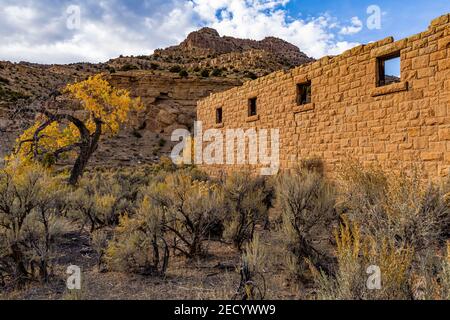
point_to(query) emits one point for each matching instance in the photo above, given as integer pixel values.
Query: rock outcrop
(170, 82)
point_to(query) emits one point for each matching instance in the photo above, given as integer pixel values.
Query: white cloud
(355, 28)
(258, 19)
(30, 32)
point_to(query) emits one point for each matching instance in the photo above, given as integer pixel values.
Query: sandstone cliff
(170, 82)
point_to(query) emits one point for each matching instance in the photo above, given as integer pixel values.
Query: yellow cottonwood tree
(56, 135)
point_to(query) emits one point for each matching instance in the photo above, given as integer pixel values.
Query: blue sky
(51, 31)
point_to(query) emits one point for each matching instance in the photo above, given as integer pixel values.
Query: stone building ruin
(351, 106)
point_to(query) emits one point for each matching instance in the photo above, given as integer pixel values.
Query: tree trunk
(79, 166)
(89, 145)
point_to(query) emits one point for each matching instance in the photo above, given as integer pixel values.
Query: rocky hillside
(170, 82)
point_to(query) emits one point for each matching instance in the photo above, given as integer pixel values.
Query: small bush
(307, 202)
(175, 69)
(397, 206)
(204, 73)
(191, 206)
(355, 254)
(129, 67)
(313, 165)
(247, 201)
(216, 72)
(252, 283)
(183, 73)
(102, 197)
(99, 242)
(139, 245)
(162, 142)
(4, 80)
(31, 204)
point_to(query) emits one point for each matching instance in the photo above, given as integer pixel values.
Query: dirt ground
(214, 277)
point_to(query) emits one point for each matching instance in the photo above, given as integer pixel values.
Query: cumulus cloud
(354, 28)
(37, 30)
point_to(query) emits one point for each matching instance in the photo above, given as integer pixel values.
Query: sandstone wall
(170, 101)
(405, 123)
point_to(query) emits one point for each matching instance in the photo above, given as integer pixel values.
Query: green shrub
(129, 67)
(216, 72)
(183, 73)
(175, 69)
(204, 73)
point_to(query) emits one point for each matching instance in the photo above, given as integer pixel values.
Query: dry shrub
(246, 203)
(102, 197)
(192, 208)
(99, 243)
(253, 261)
(313, 164)
(31, 205)
(431, 279)
(397, 222)
(255, 254)
(396, 206)
(138, 245)
(444, 275)
(307, 203)
(355, 254)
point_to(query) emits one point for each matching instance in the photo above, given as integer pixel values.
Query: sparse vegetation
(247, 201)
(216, 72)
(129, 67)
(31, 206)
(307, 202)
(154, 221)
(4, 81)
(204, 73)
(175, 69)
(183, 73)
(191, 208)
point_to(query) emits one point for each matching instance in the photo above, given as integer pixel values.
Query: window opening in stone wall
(304, 93)
(252, 110)
(219, 115)
(389, 69)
